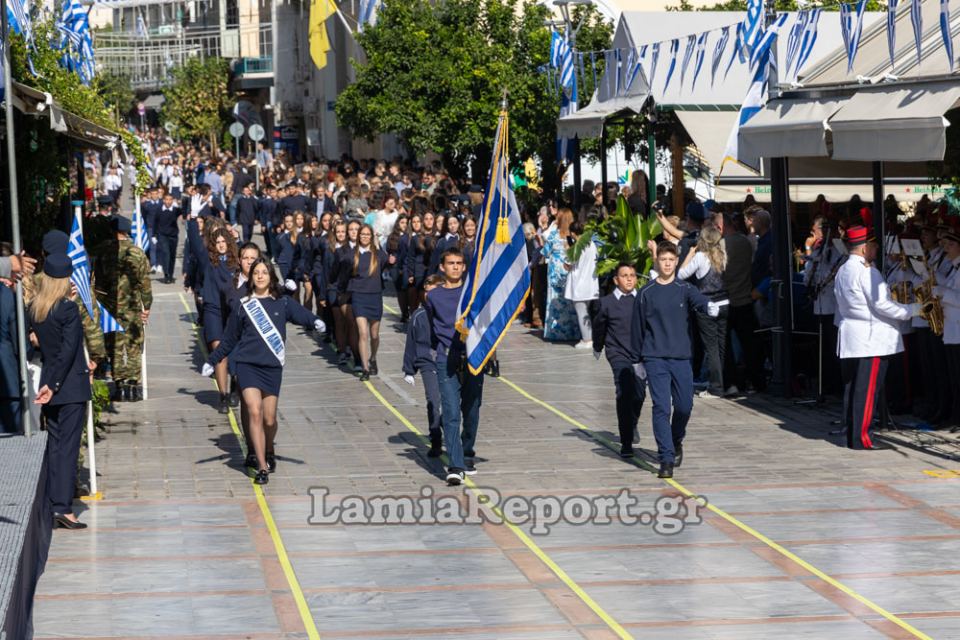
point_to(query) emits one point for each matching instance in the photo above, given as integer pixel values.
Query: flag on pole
(851, 24)
(368, 13)
(75, 31)
(718, 50)
(108, 324)
(755, 99)
(753, 24)
(18, 18)
(793, 41)
(945, 30)
(698, 58)
(140, 236)
(892, 30)
(760, 49)
(916, 17)
(808, 39)
(81, 266)
(687, 57)
(498, 282)
(561, 57)
(320, 10)
(674, 49)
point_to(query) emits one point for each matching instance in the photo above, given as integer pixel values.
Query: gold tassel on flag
(503, 230)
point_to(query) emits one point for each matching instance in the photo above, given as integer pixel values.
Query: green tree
(198, 99)
(434, 74)
(116, 91)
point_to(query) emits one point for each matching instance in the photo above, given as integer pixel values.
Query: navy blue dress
(256, 366)
(365, 288)
(216, 280)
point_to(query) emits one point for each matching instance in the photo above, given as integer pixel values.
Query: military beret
(58, 265)
(122, 224)
(55, 241)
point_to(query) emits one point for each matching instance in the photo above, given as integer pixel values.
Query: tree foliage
(621, 237)
(117, 92)
(781, 5)
(435, 73)
(198, 99)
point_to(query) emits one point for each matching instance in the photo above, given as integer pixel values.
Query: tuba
(931, 308)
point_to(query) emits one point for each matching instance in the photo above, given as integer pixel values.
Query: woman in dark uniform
(305, 245)
(449, 238)
(415, 262)
(363, 279)
(335, 240)
(64, 383)
(468, 240)
(219, 270)
(287, 253)
(397, 248)
(344, 259)
(254, 341)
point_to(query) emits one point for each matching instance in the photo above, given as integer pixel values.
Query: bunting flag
(674, 49)
(368, 14)
(687, 57)
(793, 41)
(320, 10)
(808, 39)
(755, 99)
(945, 30)
(916, 17)
(738, 49)
(75, 34)
(498, 281)
(851, 24)
(753, 24)
(698, 58)
(758, 53)
(634, 71)
(618, 72)
(593, 68)
(654, 58)
(609, 67)
(892, 30)
(580, 68)
(81, 266)
(108, 324)
(718, 50)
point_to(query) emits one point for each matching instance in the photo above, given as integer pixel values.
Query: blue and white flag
(807, 40)
(618, 71)
(674, 49)
(634, 71)
(108, 324)
(687, 57)
(755, 99)
(561, 57)
(892, 30)
(18, 18)
(698, 58)
(609, 69)
(81, 266)
(739, 49)
(759, 51)
(851, 24)
(753, 24)
(718, 50)
(140, 236)
(793, 41)
(75, 27)
(498, 281)
(945, 30)
(916, 17)
(654, 58)
(368, 13)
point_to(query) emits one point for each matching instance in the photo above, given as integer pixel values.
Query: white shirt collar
(619, 294)
(364, 250)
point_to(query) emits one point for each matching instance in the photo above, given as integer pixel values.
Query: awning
(894, 123)
(32, 102)
(588, 122)
(788, 128)
(710, 131)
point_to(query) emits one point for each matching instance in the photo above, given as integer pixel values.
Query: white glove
(153, 240)
(596, 355)
(915, 308)
(206, 370)
(319, 326)
(713, 309)
(410, 380)
(196, 203)
(640, 371)
(290, 285)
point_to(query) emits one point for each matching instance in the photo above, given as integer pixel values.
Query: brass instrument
(902, 291)
(931, 309)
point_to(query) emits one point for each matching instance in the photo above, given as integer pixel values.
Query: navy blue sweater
(661, 323)
(418, 353)
(241, 340)
(441, 305)
(248, 208)
(360, 280)
(612, 329)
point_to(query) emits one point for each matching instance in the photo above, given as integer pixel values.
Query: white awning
(788, 128)
(710, 131)
(588, 122)
(894, 123)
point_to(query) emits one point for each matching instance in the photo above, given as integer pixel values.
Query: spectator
(582, 286)
(560, 324)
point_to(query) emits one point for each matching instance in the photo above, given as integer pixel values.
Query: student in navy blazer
(362, 278)
(419, 357)
(64, 383)
(330, 273)
(449, 239)
(415, 261)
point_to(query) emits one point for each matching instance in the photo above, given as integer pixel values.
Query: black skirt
(265, 378)
(367, 305)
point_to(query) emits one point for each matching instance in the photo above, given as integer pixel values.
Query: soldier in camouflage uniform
(123, 285)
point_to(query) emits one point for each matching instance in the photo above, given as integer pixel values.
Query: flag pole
(14, 214)
(143, 355)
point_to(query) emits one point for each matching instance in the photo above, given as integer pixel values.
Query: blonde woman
(705, 264)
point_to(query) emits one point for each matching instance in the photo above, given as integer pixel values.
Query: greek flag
(654, 57)
(793, 41)
(916, 17)
(718, 50)
(561, 57)
(753, 24)
(852, 25)
(18, 18)
(807, 40)
(74, 26)
(892, 30)
(945, 30)
(687, 57)
(755, 99)
(761, 48)
(698, 58)
(674, 49)
(81, 266)
(634, 69)
(739, 47)
(140, 236)
(368, 13)
(499, 278)
(108, 324)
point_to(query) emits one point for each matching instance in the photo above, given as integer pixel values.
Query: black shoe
(271, 462)
(678, 455)
(470, 469)
(61, 521)
(364, 376)
(454, 477)
(666, 470)
(234, 398)
(263, 477)
(120, 392)
(224, 404)
(251, 461)
(136, 393)
(626, 452)
(373, 368)
(493, 369)
(436, 449)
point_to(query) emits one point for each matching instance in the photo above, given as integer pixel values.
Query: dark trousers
(64, 427)
(459, 398)
(953, 368)
(9, 415)
(431, 392)
(743, 322)
(167, 253)
(671, 386)
(247, 232)
(831, 384)
(936, 386)
(630, 396)
(713, 335)
(862, 386)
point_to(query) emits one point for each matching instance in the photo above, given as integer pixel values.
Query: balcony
(253, 73)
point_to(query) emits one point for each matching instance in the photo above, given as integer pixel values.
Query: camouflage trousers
(126, 349)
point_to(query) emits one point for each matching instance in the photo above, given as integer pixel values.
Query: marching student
(418, 358)
(449, 238)
(286, 253)
(329, 275)
(362, 278)
(305, 247)
(344, 259)
(219, 271)
(468, 240)
(415, 261)
(248, 211)
(268, 218)
(660, 335)
(612, 330)
(254, 341)
(396, 247)
(461, 392)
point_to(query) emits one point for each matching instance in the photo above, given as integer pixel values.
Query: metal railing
(148, 62)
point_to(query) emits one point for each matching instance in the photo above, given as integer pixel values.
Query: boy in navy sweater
(660, 335)
(612, 331)
(419, 356)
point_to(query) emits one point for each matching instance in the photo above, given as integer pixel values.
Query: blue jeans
(458, 398)
(670, 381)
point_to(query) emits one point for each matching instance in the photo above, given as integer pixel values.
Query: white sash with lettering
(265, 327)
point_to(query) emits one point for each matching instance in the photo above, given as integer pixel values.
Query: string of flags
(73, 34)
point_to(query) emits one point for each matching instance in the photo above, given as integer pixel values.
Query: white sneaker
(732, 390)
(454, 478)
(706, 395)
(584, 345)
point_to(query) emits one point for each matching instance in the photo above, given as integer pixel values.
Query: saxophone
(931, 308)
(902, 291)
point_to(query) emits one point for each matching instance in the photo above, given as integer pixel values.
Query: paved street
(805, 539)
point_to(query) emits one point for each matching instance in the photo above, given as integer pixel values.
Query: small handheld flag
(81, 266)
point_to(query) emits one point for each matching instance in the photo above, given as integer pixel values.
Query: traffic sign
(256, 132)
(141, 108)
(236, 129)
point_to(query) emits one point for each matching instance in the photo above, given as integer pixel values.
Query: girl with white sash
(254, 340)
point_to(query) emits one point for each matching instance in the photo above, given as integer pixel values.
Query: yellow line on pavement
(517, 531)
(302, 607)
(734, 521)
